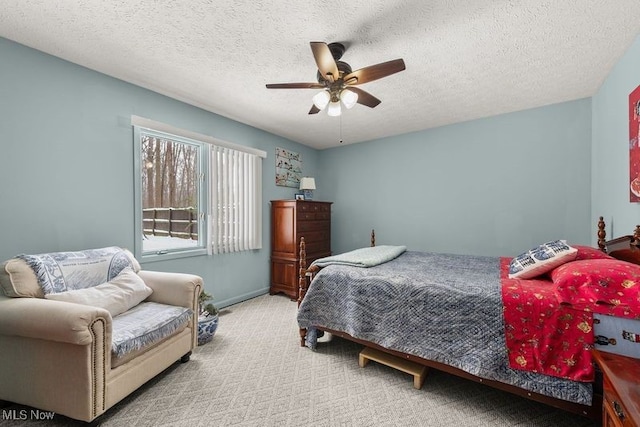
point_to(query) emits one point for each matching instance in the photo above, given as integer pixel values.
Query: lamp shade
(348, 98)
(307, 183)
(321, 99)
(334, 109)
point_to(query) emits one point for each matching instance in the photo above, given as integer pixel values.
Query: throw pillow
(124, 291)
(541, 259)
(18, 280)
(587, 252)
(598, 281)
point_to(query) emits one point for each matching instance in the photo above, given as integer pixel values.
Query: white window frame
(201, 247)
(142, 125)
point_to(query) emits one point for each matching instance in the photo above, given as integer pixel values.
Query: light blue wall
(66, 165)
(494, 186)
(610, 176)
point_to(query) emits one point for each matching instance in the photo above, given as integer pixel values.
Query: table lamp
(307, 185)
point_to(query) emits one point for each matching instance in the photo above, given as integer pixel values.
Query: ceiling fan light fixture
(321, 99)
(349, 98)
(334, 109)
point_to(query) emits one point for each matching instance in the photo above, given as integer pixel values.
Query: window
(194, 194)
(172, 193)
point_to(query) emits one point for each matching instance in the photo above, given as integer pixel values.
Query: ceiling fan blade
(374, 72)
(324, 59)
(314, 109)
(365, 98)
(295, 86)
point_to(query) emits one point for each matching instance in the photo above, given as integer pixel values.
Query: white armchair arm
(179, 289)
(52, 320)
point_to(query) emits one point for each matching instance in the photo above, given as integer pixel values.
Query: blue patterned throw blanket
(441, 307)
(365, 257)
(145, 324)
(64, 271)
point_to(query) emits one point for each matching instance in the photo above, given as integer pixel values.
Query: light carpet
(254, 373)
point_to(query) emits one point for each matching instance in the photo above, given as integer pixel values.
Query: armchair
(58, 355)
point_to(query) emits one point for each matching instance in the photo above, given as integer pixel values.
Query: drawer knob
(618, 410)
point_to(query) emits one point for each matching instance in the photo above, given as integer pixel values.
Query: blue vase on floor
(207, 326)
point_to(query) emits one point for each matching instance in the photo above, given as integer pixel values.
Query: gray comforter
(441, 307)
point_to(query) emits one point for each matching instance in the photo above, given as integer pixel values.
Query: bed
(445, 311)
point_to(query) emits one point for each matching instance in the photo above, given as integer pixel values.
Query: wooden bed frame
(625, 248)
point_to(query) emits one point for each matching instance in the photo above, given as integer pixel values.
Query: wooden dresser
(291, 220)
(621, 387)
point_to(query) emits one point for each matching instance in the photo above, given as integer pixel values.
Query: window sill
(169, 255)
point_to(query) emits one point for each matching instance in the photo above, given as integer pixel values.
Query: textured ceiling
(464, 59)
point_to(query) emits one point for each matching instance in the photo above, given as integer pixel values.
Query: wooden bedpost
(302, 284)
(373, 237)
(636, 236)
(602, 234)
(302, 272)
(305, 274)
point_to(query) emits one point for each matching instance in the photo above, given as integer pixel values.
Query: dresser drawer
(310, 216)
(314, 207)
(311, 237)
(621, 391)
(305, 226)
(615, 413)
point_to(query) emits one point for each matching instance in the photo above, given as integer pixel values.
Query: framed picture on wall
(288, 168)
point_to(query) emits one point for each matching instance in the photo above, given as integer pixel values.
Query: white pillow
(124, 291)
(541, 259)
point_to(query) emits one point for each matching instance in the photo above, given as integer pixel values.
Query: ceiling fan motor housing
(343, 69)
(337, 50)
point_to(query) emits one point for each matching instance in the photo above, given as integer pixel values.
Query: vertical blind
(236, 200)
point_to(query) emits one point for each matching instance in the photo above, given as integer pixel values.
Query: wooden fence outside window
(171, 222)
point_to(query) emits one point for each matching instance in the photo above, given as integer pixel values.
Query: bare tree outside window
(170, 184)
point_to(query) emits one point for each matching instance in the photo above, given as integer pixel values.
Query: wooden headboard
(626, 248)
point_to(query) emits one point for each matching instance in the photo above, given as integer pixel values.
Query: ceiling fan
(337, 81)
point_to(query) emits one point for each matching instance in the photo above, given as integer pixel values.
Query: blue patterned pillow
(65, 271)
(541, 259)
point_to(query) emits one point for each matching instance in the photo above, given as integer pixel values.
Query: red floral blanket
(549, 322)
(543, 335)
